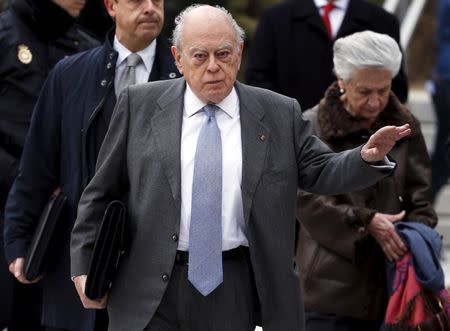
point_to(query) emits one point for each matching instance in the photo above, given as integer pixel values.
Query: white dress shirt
(143, 69)
(336, 15)
(229, 123)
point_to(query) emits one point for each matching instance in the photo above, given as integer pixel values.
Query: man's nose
(212, 64)
(149, 5)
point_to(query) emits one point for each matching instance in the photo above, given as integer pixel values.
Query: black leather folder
(36, 257)
(109, 246)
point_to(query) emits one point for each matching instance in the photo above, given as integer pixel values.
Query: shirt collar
(192, 104)
(340, 4)
(147, 54)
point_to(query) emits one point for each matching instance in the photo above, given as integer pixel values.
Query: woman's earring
(341, 90)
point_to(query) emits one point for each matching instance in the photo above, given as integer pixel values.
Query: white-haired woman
(344, 239)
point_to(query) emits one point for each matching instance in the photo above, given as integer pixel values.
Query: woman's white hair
(179, 23)
(364, 50)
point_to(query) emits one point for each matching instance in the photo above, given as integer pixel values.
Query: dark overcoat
(67, 129)
(292, 54)
(343, 267)
(34, 36)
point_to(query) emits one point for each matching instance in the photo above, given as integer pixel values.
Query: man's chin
(147, 36)
(216, 97)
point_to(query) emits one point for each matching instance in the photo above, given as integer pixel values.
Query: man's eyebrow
(194, 48)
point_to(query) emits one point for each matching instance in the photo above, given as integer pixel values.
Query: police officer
(34, 36)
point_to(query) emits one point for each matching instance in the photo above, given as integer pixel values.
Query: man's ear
(241, 47)
(177, 57)
(240, 50)
(110, 7)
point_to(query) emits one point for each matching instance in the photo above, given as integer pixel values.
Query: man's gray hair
(179, 22)
(364, 50)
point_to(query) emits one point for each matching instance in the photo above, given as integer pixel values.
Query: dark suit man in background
(34, 36)
(205, 256)
(292, 51)
(67, 130)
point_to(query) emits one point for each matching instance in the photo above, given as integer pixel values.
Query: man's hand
(80, 284)
(382, 229)
(16, 268)
(382, 141)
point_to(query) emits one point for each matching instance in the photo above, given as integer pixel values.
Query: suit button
(175, 237)
(165, 277)
(362, 230)
(103, 82)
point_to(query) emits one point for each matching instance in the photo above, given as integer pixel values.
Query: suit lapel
(255, 137)
(166, 126)
(308, 12)
(356, 19)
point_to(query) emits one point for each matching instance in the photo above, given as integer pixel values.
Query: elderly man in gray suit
(210, 169)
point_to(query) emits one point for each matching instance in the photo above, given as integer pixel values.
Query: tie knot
(133, 59)
(210, 110)
(329, 6)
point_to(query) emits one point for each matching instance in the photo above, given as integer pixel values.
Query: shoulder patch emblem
(24, 54)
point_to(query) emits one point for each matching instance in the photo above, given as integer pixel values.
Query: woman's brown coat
(342, 266)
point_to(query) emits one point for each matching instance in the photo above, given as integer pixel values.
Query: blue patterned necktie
(205, 232)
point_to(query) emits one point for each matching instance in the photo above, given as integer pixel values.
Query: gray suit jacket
(140, 159)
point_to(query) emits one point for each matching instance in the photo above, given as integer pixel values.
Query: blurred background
(418, 15)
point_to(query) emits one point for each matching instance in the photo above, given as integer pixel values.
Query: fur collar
(336, 122)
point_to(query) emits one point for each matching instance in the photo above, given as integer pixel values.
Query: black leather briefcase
(38, 251)
(109, 246)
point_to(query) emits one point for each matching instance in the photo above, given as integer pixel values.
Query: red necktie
(326, 16)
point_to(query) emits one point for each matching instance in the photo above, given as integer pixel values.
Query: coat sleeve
(9, 166)
(9, 162)
(344, 222)
(38, 171)
(322, 171)
(333, 221)
(109, 183)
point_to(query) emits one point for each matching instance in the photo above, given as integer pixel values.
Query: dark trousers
(230, 307)
(101, 322)
(329, 322)
(440, 163)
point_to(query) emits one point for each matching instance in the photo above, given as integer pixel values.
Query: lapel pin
(24, 54)
(263, 137)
